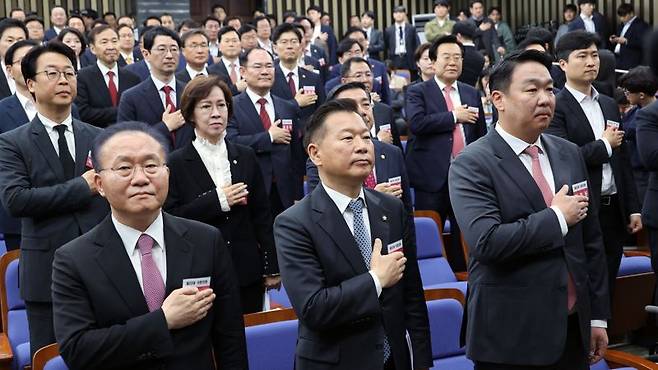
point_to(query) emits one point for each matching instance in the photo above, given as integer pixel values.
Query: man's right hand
(89, 178)
(391, 189)
(614, 136)
(172, 119)
(388, 268)
(279, 135)
(484, 26)
(464, 115)
(241, 85)
(187, 305)
(235, 193)
(573, 207)
(304, 100)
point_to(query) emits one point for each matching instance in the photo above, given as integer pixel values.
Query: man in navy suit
(195, 53)
(58, 20)
(290, 80)
(347, 259)
(140, 67)
(229, 62)
(444, 116)
(591, 21)
(628, 42)
(269, 125)
(401, 41)
(378, 68)
(375, 36)
(324, 33)
(11, 31)
(311, 49)
(156, 100)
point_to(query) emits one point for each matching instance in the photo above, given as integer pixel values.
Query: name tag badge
(88, 163)
(395, 180)
(475, 110)
(378, 79)
(386, 127)
(309, 89)
(613, 124)
(580, 188)
(200, 283)
(395, 247)
(322, 62)
(287, 124)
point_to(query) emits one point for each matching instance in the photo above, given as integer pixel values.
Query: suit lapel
(237, 174)
(559, 164)
(42, 141)
(99, 82)
(253, 117)
(83, 142)
(196, 166)
(152, 98)
(16, 112)
(282, 82)
(179, 256)
(577, 111)
(378, 217)
(180, 86)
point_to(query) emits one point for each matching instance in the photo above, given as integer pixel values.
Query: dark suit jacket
(142, 103)
(285, 163)
(429, 147)
(600, 25)
(247, 229)
(87, 58)
(380, 79)
(411, 42)
(140, 69)
(306, 78)
(383, 115)
(631, 53)
(50, 34)
(184, 76)
(376, 43)
(53, 210)
(219, 69)
(100, 313)
(94, 97)
(647, 146)
(332, 44)
(570, 122)
(519, 261)
(4, 87)
(342, 322)
(472, 67)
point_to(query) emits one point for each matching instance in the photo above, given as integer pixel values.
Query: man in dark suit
(58, 20)
(229, 63)
(101, 85)
(628, 42)
(11, 31)
(323, 33)
(156, 100)
(270, 126)
(375, 37)
(473, 61)
(591, 21)
(486, 37)
(44, 179)
(537, 287)
(195, 54)
(122, 294)
(592, 121)
(347, 260)
(378, 68)
(444, 116)
(401, 41)
(292, 82)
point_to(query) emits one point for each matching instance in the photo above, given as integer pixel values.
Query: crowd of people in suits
(159, 180)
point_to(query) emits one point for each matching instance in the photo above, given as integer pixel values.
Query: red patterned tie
(264, 117)
(233, 75)
(544, 187)
(112, 87)
(154, 288)
(168, 102)
(370, 182)
(291, 84)
(457, 134)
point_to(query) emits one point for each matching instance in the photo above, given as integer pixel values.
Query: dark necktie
(112, 87)
(168, 102)
(291, 84)
(264, 117)
(68, 165)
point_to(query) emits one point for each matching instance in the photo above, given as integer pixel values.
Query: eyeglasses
(207, 108)
(163, 50)
(53, 74)
(293, 42)
(260, 66)
(198, 46)
(128, 171)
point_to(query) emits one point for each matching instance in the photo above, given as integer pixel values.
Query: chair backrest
(48, 358)
(9, 292)
(279, 298)
(434, 267)
(271, 339)
(634, 265)
(445, 316)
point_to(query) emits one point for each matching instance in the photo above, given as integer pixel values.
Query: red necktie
(291, 84)
(112, 87)
(233, 75)
(168, 102)
(264, 117)
(370, 182)
(547, 193)
(457, 134)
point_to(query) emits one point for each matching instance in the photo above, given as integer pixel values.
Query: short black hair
(122, 26)
(11, 12)
(98, 21)
(211, 18)
(571, 7)
(625, 9)
(109, 13)
(575, 40)
(75, 16)
(97, 30)
(317, 8)
(224, 30)
(244, 56)
(315, 127)
(189, 23)
(33, 18)
(122, 127)
(149, 37)
(165, 14)
(501, 73)
(542, 34)
(9, 55)
(447, 39)
(303, 18)
(261, 18)
(78, 34)
(352, 30)
(246, 28)
(369, 13)
(347, 65)
(620, 97)
(581, 2)
(473, 2)
(232, 17)
(289, 13)
(640, 80)
(530, 41)
(217, 6)
(444, 3)
(466, 29)
(345, 87)
(151, 18)
(283, 28)
(345, 45)
(193, 32)
(8, 23)
(29, 62)
(495, 9)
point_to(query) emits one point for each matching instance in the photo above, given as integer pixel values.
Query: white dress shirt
(159, 85)
(10, 80)
(193, 72)
(368, 31)
(400, 47)
(295, 75)
(592, 109)
(215, 159)
(456, 101)
(236, 65)
(104, 71)
(342, 201)
(54, 135)
(267, 46)
(317, 31)
(28, 105)
(214, 48)
(129, 237)
(589, 23)
(624, 29)
(269, 107)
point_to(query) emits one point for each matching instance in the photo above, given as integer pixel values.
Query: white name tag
(580, 188)
(309, 89)
(613, 124)
(386, 127)
(287, 124)
(475, 110)
(395, 180)
(395, 246)
(200, 283)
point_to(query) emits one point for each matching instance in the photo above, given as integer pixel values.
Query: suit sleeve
(312, 177)
(22, 199)
(319, 306)
(127, 111)
(83, 344)
(422, 122)
(594, 152)
(204, 208)
(646, 121)
(631, 198)
(260, 142)
(385, 89)
(378, 45)
(97, 116)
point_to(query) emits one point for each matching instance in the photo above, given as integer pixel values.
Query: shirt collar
(285, 70)
(255, 97)
(517, 145)
(227, 63)
(50, 124)
(341, 200)
(104, 68)
(443, 85)
(129, 235)
(586, 18)
(580, 97)
(24, 100)
(193, 72)
(202, 142)
(159, 84)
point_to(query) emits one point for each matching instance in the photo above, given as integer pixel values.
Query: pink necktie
(154, 288)
(538, 176)
(233, 75)
(370, 182)
(457, 134)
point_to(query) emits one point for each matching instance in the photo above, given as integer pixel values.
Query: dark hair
(400, 9)
(581, 2)
(317, 8)
(575, 40)
(193, 32)
(149, 37)
(11, 12)
(244, 57)
(283, 28)
(32, 18)
(625, 9)
(288, 14)
(165, 14)
(78, 34)
(571, 7)
(224, 30)
(420, 50)
(315, 126)
(216, 6)
(543, 34)
(444, 3)
(75, 16)
(211, 18)
(347, 65)
(232, 17)
(9, 55)
(304, 18)
(345, 87)
(98, 21)
(352, 30)
(495, 8)
(121, 26)
(369, 13)
(473, 2)
(189, 23)
(151, 18)
(530, 41)
(345, 45)
(97, 30)
(466, 29)
(198, 89)
(109, 13)
(620, 96)
(640, 80)
(246, 28)
(8, 23)
(128, 126)
(447, 39)
(261, 18)
(29, 62)
(501, 73)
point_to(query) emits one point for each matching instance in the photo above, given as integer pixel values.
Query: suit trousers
(252, 297)
(573, 357)
(12, 241)
(40, 322)
(613, 228)
(641, 182)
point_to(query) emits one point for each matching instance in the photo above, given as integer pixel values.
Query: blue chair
(633, 265)
(14, 317)
(279, 298)
(271, 339)
(634, 289)
(48, 358)
(445, 308)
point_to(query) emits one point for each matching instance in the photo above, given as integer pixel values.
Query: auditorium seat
(279, 298)
(634, 265)
(48, 358)
(623, 361)
(271, 339)
(14, 317)
(445, 309)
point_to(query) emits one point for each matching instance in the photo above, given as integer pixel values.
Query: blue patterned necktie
(362, 237)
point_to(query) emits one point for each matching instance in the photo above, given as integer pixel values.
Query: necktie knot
(110, 74)
(262, 102)
(356, 206)
(447, 89)
(167, 89)
(290, 74)
(145, 244)
(533, 151)
(61, 129)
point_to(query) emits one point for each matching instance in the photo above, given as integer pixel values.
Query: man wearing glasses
(45, 179)
(156, 99)
(195, 51)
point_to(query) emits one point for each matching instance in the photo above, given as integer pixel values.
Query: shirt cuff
(378, 285)
(563, 221)
(636, 214)
(223, 202)
(608, 148)
(599, 324)
(271, 138)
(454, 117)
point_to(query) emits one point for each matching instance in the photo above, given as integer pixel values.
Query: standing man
(195, 53)
(442, 24)
(11, 31)
(473, 61)
(101, 85)
(58, 20)
(322, 33)
(445, 115)
(44, 179)
(401, 41)
(537, 274)
(629, 41)
(119, 293)
(228, 64)
(591, 21)
(376, 44)
(263, 33)
(211, 27)
(486, 37)
(355, 296)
